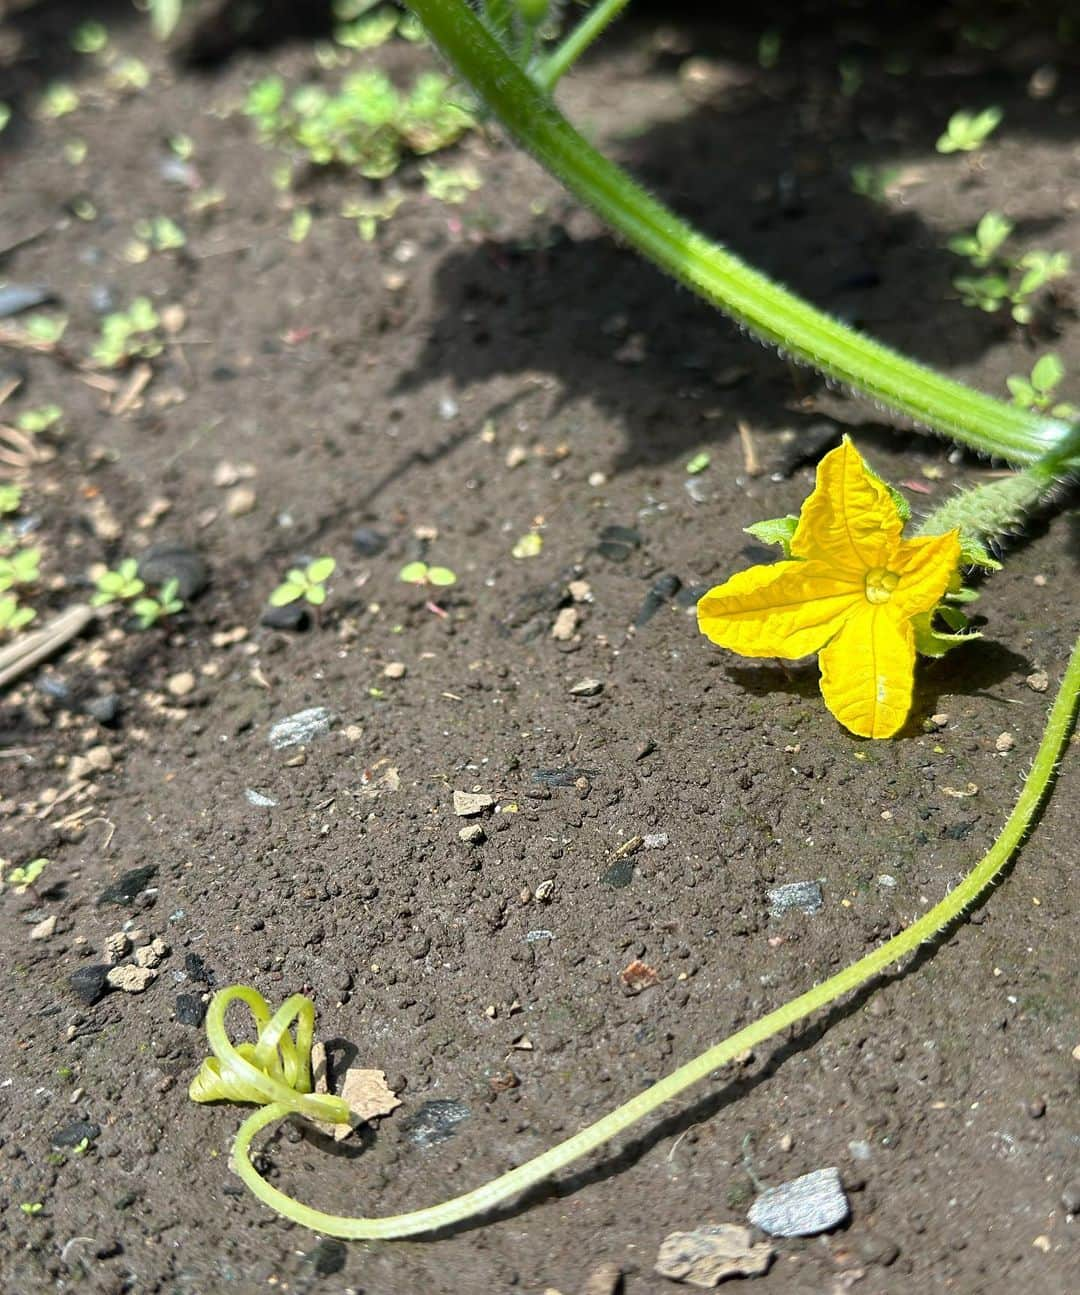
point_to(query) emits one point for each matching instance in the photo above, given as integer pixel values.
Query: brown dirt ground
(358, 380)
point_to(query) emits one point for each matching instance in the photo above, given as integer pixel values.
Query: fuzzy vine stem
(256, 1072)
(771, 312)
(599, 18)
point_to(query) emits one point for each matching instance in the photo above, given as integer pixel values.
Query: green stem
(571, 48)
(768, 310)
(235, 1076)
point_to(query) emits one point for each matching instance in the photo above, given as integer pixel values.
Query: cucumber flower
(852, 590)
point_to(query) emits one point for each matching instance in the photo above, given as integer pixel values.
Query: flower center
(880, 582)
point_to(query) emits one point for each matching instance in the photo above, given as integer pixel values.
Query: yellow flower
(850, 591)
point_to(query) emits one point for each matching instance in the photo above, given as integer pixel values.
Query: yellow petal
(850, 519)
(925, 567)
(868, 670)
(786, 610)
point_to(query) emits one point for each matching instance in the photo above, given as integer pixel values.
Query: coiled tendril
(275, 1071)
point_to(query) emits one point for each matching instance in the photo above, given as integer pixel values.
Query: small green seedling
(45, 330)
(21, 569)
(308, 583)
(58, 100)
(968, 131)
(450, 184)
(129, 335)
(873, 182)
(1037, 391)
(150, 610)
(119, 585)
(42, 419)
(698, 463)
(128, 75)
(370, 213)
(529, 546)
(22, 879)
(31, 1208)
(419, 573)
(10, 497)
(89, 38)
(300, 224)
(156, 234)
(982, 245)
(13, 616)
(1037, 268)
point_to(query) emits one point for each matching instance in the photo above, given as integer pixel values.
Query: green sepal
(974, 553)
(777, 530)
(934, 643)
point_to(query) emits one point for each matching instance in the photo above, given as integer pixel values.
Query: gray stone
(469, 803)
(293, 616)
(89, 982)
(172, 561)
(303, 727)
(802, 1207)
(798, 896)
(129, 885)
(70, 1135)
(587, 688)
(434, 1122)
(257, 799)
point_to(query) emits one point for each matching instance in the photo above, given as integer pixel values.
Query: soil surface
(478, 372)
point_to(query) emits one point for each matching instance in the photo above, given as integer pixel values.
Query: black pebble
(197, 969)
(74, 1133)
(368, 543)
(618, 542)
(190, 1009)
(129, 885)
(90, 983)
(293, 616)
(172, 561)
(663, 589)
(328, 1257)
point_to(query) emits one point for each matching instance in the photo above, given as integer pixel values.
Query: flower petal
(925, 567)
(786, 610)
(850, 519)
(868, 672)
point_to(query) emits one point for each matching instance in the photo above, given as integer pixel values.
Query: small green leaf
(698, 463)
(528, 546)
(316, 595)
(1047, 373)
(320, 570)
(414, 573)
(286, 593)
(777, 530)
(441, 576)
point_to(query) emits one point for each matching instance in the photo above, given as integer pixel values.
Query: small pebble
(303, 727)
(655, 840)
(172, 561)
(190, 1009)
(240, 501)
(257, 799)
(1039, 681)
(468, 803)
(395, 670)
(1005, 742)
(44, 928)
(802, 1207)
(473, 835)
(566, 623)
(293, 616)
(435, 1121)
(105, 709)
(131, 980)
(182, 684)
(368, 543)
(801, 896)
(587, 688)
(89, 983)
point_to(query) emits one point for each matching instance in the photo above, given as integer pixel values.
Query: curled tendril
(275, 1071)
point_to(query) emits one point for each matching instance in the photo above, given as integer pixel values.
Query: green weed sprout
(968, 131)
(366, 125)
(31, 1208)
(450, 184)
(13, 616)
(23, 878)
(21, 569)
(275, 1071)
(982, 245)
(149, 610)
(42, 419)
(1037, 391)
(129, 335)
(1038, 269)
(369, 213)
(10, 497)
(119, 585)
(157, 234)
(308, 583)
(419, 573)
(89, 37)
(873, 182)
(58, 100)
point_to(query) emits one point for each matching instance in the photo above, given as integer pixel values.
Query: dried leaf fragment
(639, 976)
(706, 1256)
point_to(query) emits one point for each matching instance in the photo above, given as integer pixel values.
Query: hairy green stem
(570, 49)
(235, 1073)
(774, 314)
